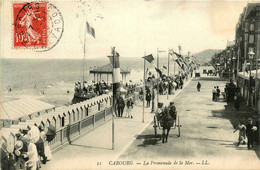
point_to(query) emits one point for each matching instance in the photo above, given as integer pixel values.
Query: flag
(159, 71)
(93, 32)
(185, 63)
(178, 55)
(149, 58)
(164, 67)
(178, 62)
(90, 30)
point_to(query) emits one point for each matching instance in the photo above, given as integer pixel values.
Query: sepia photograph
(129, 84)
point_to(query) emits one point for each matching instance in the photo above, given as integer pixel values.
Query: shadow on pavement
(234, 116)
(152, 139)
(84, 146)
(149, 139)
(210, 79)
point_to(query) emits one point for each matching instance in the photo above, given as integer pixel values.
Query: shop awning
(246, 74)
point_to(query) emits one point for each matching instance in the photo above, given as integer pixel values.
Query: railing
(72, 131)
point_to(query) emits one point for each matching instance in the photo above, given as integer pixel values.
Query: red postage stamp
(30, 24)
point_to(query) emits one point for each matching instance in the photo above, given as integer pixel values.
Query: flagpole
(174, 66)
(144, 88)
(157, 77)
(168, 72)
(179, 47)
(113, 106)
(84, 51)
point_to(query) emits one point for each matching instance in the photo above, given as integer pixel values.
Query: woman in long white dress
(47, 149)
(31, 154)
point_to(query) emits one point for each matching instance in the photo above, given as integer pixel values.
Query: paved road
(206, 134)
(95, 146)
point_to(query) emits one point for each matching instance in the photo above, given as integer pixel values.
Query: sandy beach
(55, 94)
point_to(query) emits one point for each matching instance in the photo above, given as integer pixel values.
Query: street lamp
(229, 61)
(250, 56)
(153, 94)
(233, 59)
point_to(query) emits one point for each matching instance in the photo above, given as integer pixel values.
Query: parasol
(51, 133)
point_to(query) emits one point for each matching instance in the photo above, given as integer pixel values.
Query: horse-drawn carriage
(165, 119)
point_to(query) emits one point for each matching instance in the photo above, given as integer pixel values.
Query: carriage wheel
(179, 127)
(155, 125)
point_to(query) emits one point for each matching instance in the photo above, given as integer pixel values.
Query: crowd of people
(166, 85)
(91, 90)
(30, 150)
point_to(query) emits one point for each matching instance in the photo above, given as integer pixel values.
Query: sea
(26, 73)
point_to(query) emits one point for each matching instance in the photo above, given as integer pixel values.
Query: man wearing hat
(120, 105)
(172, 110)
(250, 133)
(20, 148)
(159, 111)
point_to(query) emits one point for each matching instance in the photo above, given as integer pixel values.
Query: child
(242, 133)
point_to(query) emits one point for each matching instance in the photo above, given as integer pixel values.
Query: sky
(134, 27)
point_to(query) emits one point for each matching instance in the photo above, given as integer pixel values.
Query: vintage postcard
(130, 84)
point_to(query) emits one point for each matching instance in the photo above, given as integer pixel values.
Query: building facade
(247, 40)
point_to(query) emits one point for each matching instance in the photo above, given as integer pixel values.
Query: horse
(167, 121)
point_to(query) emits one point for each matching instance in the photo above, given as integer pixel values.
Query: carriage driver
(172, 111)
(159, 109)
(159, 112)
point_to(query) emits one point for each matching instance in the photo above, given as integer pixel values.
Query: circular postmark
(38, 26)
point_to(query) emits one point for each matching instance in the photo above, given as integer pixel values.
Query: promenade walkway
(95, 147)
(207, 140)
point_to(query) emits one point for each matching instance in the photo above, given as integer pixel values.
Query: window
(98, 106)
(81, 112)
(62, 121)
(252, 27)
(86, 111)
(77, 114)
(246, 27)
(74, 117)
(246, 37)
(251, 39)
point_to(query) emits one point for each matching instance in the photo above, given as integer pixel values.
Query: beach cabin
(16, 111)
